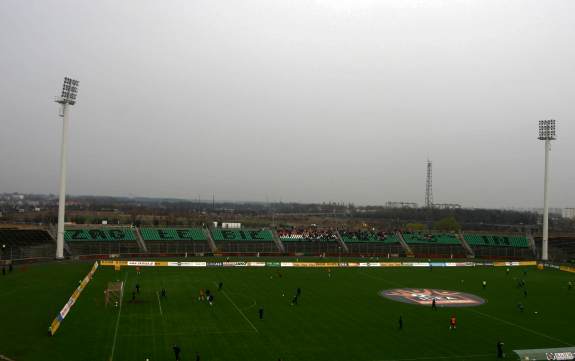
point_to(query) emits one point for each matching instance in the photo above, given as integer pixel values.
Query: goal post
(113, 293)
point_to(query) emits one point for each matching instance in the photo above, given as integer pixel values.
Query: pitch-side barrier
(72, 300)
(119, 264)
(560, 268)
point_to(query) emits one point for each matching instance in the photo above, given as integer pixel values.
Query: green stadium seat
(239, 235)
(368, 237)
(497, 240)
(430, 238)
(173, 234)
(99, 234)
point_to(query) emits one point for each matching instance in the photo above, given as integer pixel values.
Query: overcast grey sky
(300, 100)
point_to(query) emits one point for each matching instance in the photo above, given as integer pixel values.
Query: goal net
(114, 293)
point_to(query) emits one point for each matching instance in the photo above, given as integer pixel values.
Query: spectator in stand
(308, 234)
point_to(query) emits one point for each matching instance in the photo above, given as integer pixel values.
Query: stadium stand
(26, 244)
(101, 241)
(244, 240)
(561, 249)
(489, 245)
(114, 234)
(434, 244)
(366, 236)
(310, 241)
(104, 241)
(498, 241)
(175, 240)
(369, 244)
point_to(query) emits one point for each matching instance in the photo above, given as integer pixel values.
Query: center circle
(425, 297)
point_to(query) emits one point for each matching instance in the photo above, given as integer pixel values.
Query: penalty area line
(520, 327)
(240, 311)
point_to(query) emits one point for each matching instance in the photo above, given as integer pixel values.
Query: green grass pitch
(337, 318)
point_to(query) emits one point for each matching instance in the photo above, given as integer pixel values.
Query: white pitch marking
(521, 327)
(240, 311)
(160, 304)
(485, 315)
(118, 319)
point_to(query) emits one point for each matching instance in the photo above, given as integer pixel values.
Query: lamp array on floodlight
(547, 129)
(69, 91)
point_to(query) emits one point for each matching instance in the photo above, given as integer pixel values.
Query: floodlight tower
(428, 186)
(67, 99)
(546, 133)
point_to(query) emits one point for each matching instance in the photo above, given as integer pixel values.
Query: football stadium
(222, 180)
(290, 294)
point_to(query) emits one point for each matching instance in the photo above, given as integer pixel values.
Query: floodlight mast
(67, 98)
(546, 133)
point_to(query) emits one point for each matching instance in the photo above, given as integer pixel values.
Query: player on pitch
(294, 300)
(500, 349)
(177, 351)
(452, 322)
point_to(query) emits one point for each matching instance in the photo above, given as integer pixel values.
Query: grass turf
(337, 318)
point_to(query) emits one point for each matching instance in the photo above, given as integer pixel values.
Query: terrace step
(406, 248)
(278, 241)
(341, 242)
(53, 232)
(140, 240)
(465, 244)
(531, 241)
(211, 242)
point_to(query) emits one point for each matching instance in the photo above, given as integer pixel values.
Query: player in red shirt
(452, 322)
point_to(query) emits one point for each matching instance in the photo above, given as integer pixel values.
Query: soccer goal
(114, 293)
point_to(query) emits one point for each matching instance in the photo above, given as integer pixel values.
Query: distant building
(569, 213)
(557, 212)
(401, 205)
(447, 205)
(231, 225)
